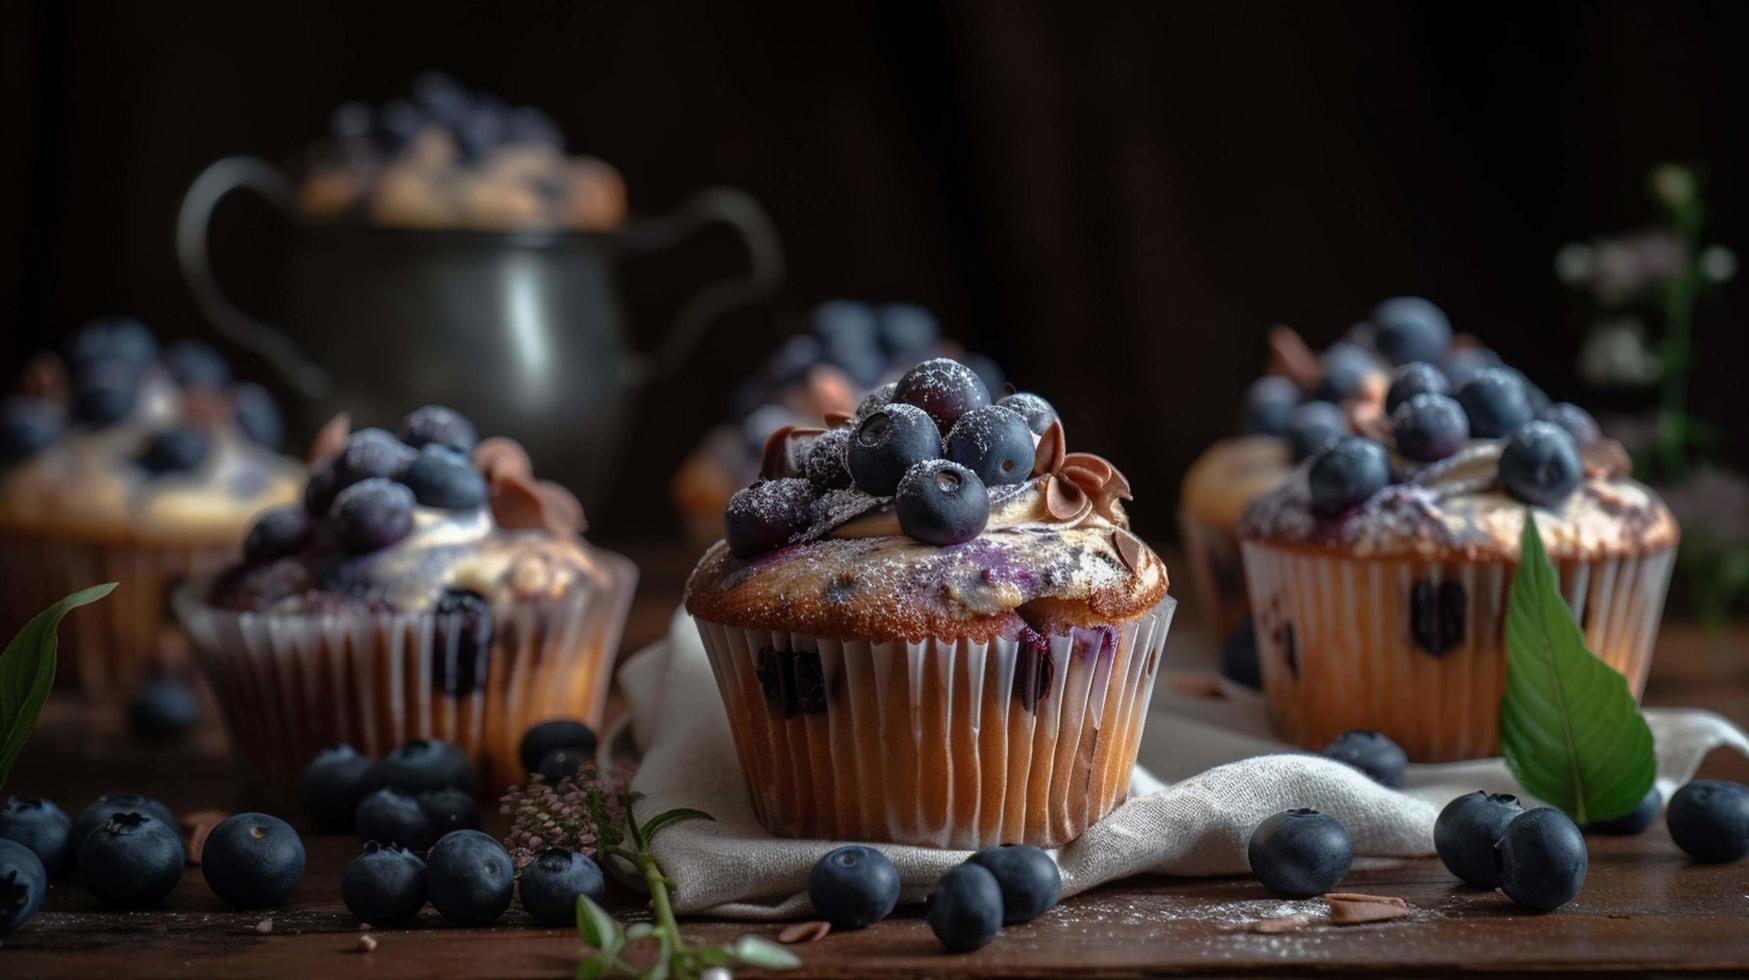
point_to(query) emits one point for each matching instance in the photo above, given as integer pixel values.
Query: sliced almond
(804, 932)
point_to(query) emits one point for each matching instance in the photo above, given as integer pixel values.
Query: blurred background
(1115, 202)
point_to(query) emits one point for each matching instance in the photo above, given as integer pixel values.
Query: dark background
(1114, 200)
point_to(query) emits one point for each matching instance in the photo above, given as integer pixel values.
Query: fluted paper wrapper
(109, 647)
(1417, 649)
(1217, 574)
(290, 685)
(943, 743)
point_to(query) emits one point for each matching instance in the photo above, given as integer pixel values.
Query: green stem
(657, 882)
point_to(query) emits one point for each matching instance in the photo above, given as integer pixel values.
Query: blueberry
(1467, 830)
(1541, 859)
(441, 477)
(1269, 406)
(1429, 427)
(766, 515)
(119, 338)
(41, 826)
(440, 95)
(372, 453)
(435, 425)
(1346, 366)
(1038, 413)
(464, 625)
(1634, 821)
(23, 884)
(1314, 427)
(550, 735)
(887, 443)
(253, 861)
(258, 414)
(1577, 421)
(131, 860)
(965, 909)
(560, 763)
(197, 365)
(98, 812)
(1463, 363)
(470, 878)
(907, 331)
(792, 361)
(332, 786)
(1028, 877)
(1417, 378)
(421, 765)
(372, 514)
(847, 339)
(393, 816)
(944, 388)
(27, 427)
(104, 392)
(1709, 818)
(175, 450)
(278, 533)
(1409, 328)
(384, 885)
(163, 708)
(1347, 475)
(1300, 853)
(825, 463)
(1033, 669)
(1239, 662)
(853, 886)
(993, 442)
(1381, 759)
(1538, 399)
(1540, 464)
(1438, 616)
(552, 882)
(942, 503)
(877, 399)
(1495, 401)
(450, 809)
(792, 681)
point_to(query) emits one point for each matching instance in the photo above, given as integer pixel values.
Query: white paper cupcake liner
(289, 685)
(109, 647)
(1342, 647)
(1217, 573)
(939, 743)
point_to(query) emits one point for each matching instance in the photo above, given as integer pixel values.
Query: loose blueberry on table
(1382, 760)
(253, 860)
(24, 882)
(98, 812)
(163, 708)
(853, 887)
(550, 735)
(384, 885)
(393, 816)
(1300, 853)
(965, 909)
(549, 886)
(469, 878)
(132, 860)
(332, 786)
(1467, 830)
(1709, 818)
(1029, 878)
(41, 826)
(450, 809)
(1541, 859)
(420, 765)
(1633, 822)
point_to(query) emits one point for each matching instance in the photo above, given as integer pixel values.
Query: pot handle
(765, 269)
(193, 224)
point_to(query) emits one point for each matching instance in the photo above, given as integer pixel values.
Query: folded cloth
(1209, 773)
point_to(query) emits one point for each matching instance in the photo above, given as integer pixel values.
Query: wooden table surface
(1645, 906)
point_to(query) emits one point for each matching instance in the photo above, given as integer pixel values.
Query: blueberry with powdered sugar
(993, 442)
(944, 388)
(765, 515)
(1038, 413)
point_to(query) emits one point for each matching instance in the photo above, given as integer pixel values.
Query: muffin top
(929, 512)
(430, 517)
(1451, 478)
(120, 440)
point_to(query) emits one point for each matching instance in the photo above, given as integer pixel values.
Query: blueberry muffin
(1379, 570)
(121, 461)
(446, 157)
(932, 625)
(427, 587)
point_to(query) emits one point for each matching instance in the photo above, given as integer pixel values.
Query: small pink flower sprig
(566, 814)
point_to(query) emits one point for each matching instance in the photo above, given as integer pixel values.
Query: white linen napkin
(1209, 772)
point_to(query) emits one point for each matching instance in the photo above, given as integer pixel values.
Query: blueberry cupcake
(1379, 570)
(121, 461)
(427, 587)
(931, 625)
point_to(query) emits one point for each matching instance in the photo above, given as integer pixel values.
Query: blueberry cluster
(477, 123)
(109, 361)
(418, 792)
(1439, 397)
(932, 441)
(855, 886)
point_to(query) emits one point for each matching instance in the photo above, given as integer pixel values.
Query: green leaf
(27, 672)
(595, 927)
(1569, 727)
(668, 818)
(763, 953)
(592, 966)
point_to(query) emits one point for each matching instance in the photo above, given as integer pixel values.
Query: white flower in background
(1673, 185)
(1718, 264)
(1615, 354)
(1575, 263)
